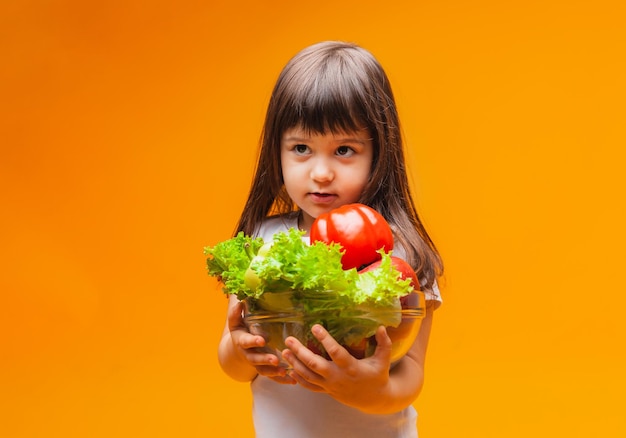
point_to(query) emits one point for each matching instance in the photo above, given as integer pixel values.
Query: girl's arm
(367, 384)
(238, 352)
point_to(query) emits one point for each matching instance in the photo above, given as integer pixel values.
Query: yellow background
(129, 133)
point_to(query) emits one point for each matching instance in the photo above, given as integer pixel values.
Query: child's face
(325, 171)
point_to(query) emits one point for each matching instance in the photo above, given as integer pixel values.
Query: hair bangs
(325, 101)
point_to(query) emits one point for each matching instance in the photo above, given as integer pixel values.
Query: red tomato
(360, 230)
(406, 271)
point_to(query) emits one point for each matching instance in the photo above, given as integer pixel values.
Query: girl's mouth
(322, 198)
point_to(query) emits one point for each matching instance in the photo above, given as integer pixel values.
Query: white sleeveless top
(291, 411)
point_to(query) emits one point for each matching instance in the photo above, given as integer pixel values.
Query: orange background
(129, 133)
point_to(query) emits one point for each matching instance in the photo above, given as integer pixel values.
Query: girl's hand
(351, 381)
(249, 347)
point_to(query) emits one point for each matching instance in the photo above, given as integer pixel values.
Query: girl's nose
(321, 171)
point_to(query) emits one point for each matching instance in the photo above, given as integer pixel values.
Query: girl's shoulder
(274, 224)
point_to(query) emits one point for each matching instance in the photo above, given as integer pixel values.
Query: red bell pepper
(360, 230)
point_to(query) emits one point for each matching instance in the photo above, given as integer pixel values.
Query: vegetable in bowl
(288, 285)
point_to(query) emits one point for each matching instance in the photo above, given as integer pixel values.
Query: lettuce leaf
(229, 260)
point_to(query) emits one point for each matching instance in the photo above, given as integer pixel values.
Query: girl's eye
(301, 149)
(345, 151)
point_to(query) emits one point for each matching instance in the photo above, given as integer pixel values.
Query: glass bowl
(277, 315)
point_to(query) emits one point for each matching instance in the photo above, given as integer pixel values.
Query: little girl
(332, 137)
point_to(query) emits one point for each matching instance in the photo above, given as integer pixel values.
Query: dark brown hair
(340, 87)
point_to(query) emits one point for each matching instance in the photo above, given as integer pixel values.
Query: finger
(303, 361)
(383, 345)
(297, 352)
(235, 316)
(300, 380)
(259, 358)
(239, 331)
(286, 379)
(339, 355)
(275, 373)
(246, 340)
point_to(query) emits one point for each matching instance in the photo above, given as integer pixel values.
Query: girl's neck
(303, 224)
